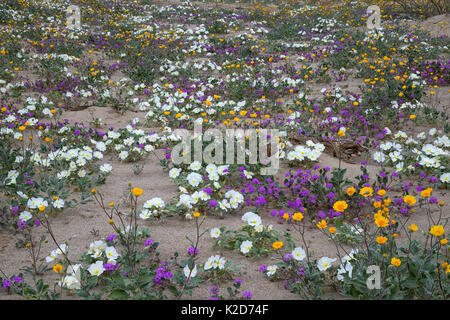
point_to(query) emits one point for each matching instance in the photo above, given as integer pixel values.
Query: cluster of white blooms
(254, 221)
(129, 144)
(100, 251)
(152, 208)
(428, 150)
(72, 278)
(346, 266)
(57, 252)
(215, 262)
(312, 152)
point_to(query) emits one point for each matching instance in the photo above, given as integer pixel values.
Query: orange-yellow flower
(381, 239)
(57, 268)
(340, 206)
(437, 230)
(322, 224)
(409, 199)
(396, 262)
(298, 216)
(277, 245)
(381, 192)
(381, 221)
(196, 214)
(426, 193)
(332, 230)
(137, 191)
(351, 191)
(413, 227)
(444, 241)
(366, 192)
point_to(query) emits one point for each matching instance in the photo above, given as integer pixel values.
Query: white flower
(325, 263)
(254, 220)
(247, 216)
(194, 179)
(271, 270)
(58, 203)
(445, 178)
(246, 246)
(96, 269)
(298, 254)
(70, 282)
(111, 254)
(215, 233)
(379, 157)
(195, 166)
(174, 173)
(145, 214)
(106, 168)
(190, 272)
(25, 216)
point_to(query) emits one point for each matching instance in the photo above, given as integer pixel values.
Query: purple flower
(111, 237)
(108, 266)
(247, 294)
(21, 224)
(37, 223)
(192, 252)
(148, 242)
(213, 290)
(263, 268)
(17, 279)
(288, 257)
(239, 281)
(6, 284)
(213, 203)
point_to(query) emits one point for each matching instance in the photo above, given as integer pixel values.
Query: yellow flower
(396, 262)
(351, 191)
(286, 216)
(41, 208)
(381, 239)
(111, 204)
(277, 245)
(426, 193)
(444, 241)
(322, 224)
(437, 230)
(444, 265)
(341, 133)
(298, 216)
(366, 192)
(57, 268)
(381, 192)
(196, 214)
(340, 206)
(413, 227)
(110, 221)
(332, 230)
(93, 191)
(377, 204)
(381, 221)
(409, 199)
(137, 191)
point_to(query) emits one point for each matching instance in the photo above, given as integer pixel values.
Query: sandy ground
(76, 225)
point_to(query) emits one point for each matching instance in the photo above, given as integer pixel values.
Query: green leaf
(118, 294)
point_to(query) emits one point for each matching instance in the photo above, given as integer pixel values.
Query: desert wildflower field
(224, 150)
